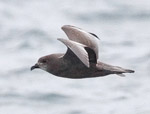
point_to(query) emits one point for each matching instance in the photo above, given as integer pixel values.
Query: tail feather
(129, 71)
(113, 69)
(120, 71)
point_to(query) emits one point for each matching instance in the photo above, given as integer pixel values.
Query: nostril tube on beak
(35, 66)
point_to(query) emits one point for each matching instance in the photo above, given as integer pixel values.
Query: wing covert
(78, 35)
(78, 49)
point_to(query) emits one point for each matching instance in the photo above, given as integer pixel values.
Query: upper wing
(83, 37)
(78, 49)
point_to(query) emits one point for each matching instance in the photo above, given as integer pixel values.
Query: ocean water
(29, 29)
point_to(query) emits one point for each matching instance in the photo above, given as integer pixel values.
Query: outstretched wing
(78, 49)
(78, 35)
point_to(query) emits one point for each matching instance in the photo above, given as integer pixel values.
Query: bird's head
(42, 63)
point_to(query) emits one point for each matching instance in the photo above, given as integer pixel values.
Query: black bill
(35, 66)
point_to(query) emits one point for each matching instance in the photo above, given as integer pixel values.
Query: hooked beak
(35, 66)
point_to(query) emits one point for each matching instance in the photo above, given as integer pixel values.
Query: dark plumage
(81, 58)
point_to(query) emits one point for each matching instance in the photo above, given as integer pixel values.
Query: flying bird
(80, 59)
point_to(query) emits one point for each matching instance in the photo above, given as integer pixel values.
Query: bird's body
(81, 58)
(74, 68)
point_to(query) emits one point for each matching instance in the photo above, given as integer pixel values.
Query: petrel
(80, 59)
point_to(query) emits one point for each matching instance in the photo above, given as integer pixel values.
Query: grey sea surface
(29, 29)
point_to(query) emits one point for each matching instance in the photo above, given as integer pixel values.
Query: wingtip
(88, 65)
(63, 27)
(94, 35)
(130, 71)
(66, 26)
(61, 39)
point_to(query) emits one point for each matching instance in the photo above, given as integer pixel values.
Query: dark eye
(44, 61)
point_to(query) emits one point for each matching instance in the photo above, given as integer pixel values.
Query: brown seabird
(81, 58)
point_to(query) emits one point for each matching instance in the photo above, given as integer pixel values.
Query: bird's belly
(77, 72)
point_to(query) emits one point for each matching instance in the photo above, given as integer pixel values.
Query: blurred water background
(29, 29)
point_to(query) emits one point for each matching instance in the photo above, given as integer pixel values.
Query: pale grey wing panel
(78, 49)
(83, 37)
